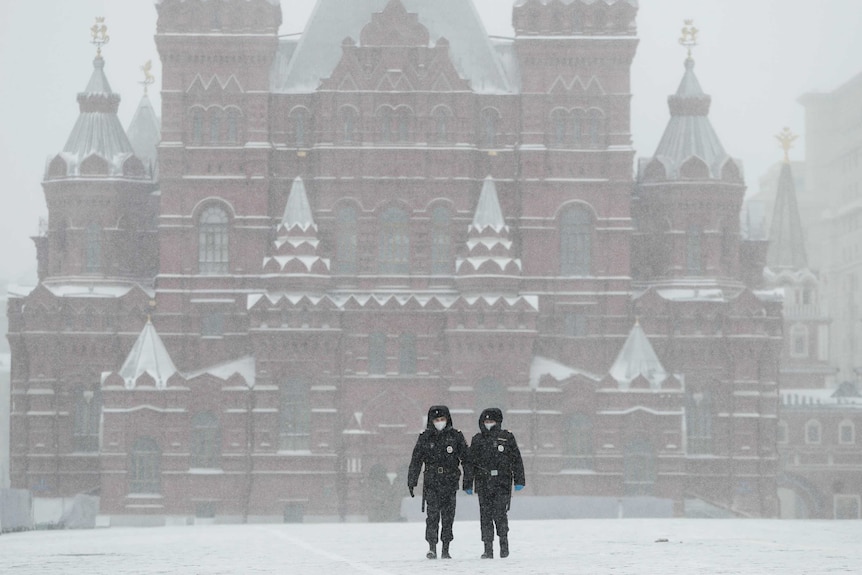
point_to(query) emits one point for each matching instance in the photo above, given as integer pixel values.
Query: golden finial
(99, 32)
(148, 78)
(785, 139)
(689, 36)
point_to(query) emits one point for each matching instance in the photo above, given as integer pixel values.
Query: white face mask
(439, 425)
(490, 426)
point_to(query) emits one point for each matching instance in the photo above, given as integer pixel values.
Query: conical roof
(297, 211)
(689, 132)
(145, 132)
(786, 242)
(488, 212)
(150, 356)
(636, 358)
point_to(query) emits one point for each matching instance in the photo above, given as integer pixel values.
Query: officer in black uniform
(495, 464)
(441, 449)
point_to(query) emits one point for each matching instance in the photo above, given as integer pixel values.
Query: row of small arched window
(394, 240)
(814, 432)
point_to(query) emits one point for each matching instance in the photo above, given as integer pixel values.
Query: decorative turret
(489, 243)
(637, 364)
(295, 249)
(689, 194)
(98, 192)
(145, 128)
(786, 241)
(148, 356)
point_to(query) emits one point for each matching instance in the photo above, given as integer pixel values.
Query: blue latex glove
(519, 487)
(468, 491)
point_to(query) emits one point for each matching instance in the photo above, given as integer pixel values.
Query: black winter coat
(441, 452)
(494, 461)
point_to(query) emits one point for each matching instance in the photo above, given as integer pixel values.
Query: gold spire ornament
(99, 32)
(689, 36)
(785, 140)
(148, 77)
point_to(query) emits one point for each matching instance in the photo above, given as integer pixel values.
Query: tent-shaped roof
(297, 211)
(786, 242)
(488, 212)
(320, 48)
(150, 356)
(638, 358)
(145, 132)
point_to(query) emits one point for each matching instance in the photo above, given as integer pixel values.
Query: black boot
(432, 551)
(445, 553)
(504, 547)
(489, 550)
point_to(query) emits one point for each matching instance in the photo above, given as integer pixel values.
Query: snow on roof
(608, 2)
(273, 2)
(320, 47)
(637, 357)
(93, 290)
(297, 212)
(149, 356)
(818, 397)
(341, 300)
(245, 367)
(693, 294)
(488, 211)
(545, 366)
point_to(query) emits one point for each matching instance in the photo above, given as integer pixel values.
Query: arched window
(407, 353)
(206, 441)
(213, 241)
(298, 123)
(345, 241)
(595, 128)
(377, 353)
(197, 127)
(441, 125)
(233, 117)
(490, 119)
(441, 242)
(812, 432)
(698, 421)
(693, 251)
(404, 117)
(385, 119)
(215, 126)
(578, 440)
(145, 467)
(560, 126)
(578, 119)
(576, 227)
(88, 414)
(94, 248)
(349, 121)
(294, 428)
(394, 244)
(639, 468)
(490, 393)
(781, 432)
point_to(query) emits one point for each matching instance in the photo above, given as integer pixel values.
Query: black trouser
(493, 509)
(440, 508)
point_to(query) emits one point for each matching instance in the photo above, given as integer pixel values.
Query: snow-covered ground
(591, 546)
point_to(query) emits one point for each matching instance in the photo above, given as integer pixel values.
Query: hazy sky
(755, 58)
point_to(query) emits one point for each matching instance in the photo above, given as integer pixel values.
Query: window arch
(206, 441)
(345, 240)
(694, 251)
(385, 120)
(441, 242)
(213, 227)
(94, 248)
(234, 118)
(560, 120)
(197, 126)
(442, 118)
(403, 121)
(294, 428)
(576, 227)
(595, 128)
(215, 126)
(490, 121)
(349, 119)
(88, 415)
(145, 466)
(394, 242)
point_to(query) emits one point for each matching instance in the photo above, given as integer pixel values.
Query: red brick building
(392, 210)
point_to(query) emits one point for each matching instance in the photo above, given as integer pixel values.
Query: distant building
(833, 148)
(391, 211)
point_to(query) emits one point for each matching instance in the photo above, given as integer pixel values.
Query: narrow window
(578, 441)
(377, 353)
(407, 354)
(441, 242)
(215, 126)
(394, 243)
(694, 255)
(441, 122)
(404, 117)
(386, 129)
(213, 241)
(206, 441)
(489, 128)
(345, 241)
(294, 416)
(812, 432)
(576, 242)
(299, 127)
(94, 248)
(846, 433)
(559, 121)
(698, 420)
(88, 413)
(348, 125)
(233, 126)
(145, 467)
(639, 468)
(197, 127)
